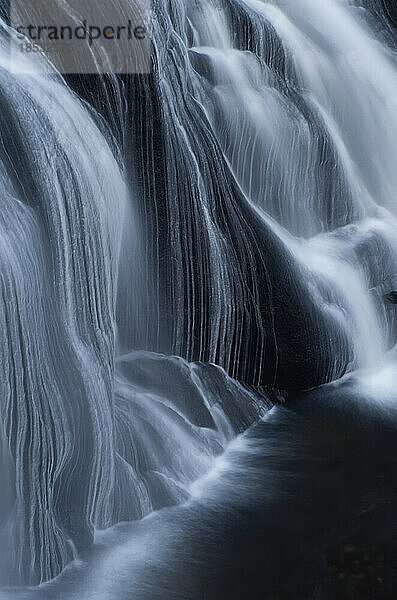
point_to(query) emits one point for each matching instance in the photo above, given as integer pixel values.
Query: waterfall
(181, 249)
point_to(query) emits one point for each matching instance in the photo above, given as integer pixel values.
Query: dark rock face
(391, 297)
(390, 10)
(220, 286)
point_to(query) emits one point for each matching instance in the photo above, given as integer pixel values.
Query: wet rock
(391, 297)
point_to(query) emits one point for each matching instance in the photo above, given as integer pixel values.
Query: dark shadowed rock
(391, 297)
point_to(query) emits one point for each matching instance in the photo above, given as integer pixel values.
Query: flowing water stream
(179, 250)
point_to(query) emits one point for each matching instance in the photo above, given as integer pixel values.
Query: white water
(349, 80)
(268, 251)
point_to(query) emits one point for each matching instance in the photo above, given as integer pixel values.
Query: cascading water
(179, 250)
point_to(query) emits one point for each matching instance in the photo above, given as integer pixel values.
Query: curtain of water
(236, 206)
